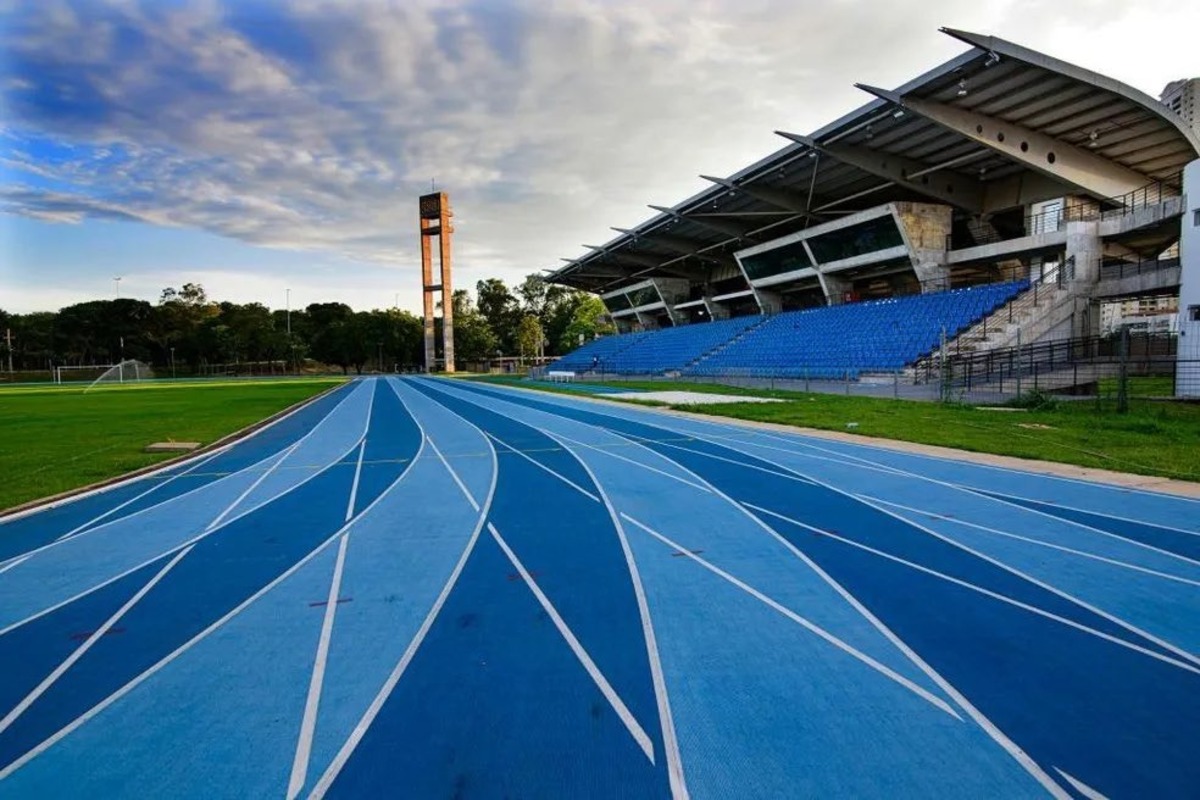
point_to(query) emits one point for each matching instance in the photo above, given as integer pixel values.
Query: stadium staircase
(762, 320)
(1027, 317)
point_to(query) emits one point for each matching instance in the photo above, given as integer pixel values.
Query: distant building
(1183, 97)
(1142, 314)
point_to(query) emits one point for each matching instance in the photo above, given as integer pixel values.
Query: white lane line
(1008, 745)
(266, 474)
(742, 464)
(139, 496)
(534, 461)
(987, 592)
(604, 449)
(96, 635)
(183, 648)
(1081, 787)
(298, 442)
(147, 509)
(343, 755)
(1094, 513)
(1044, 585)
(203, 535)
(871, 465)
(362, 447)
(14, 562)
(666, 720)
(803, 622)
(639, 734)
(998, 532)
(466, 492)
(308, 724)
(1025, 576)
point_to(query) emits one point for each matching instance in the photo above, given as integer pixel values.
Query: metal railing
(1126, 269)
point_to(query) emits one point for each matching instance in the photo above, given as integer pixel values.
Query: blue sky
(261, 146)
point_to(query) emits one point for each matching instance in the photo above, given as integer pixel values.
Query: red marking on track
(516, 576)
(339, 601)
(86, 634)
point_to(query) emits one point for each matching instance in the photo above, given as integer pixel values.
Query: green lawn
(54, 439)
(1154, 438)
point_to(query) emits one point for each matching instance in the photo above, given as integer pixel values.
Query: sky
(273, 151)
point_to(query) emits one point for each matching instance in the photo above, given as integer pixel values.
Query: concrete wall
(926, 230)
(1187, 374)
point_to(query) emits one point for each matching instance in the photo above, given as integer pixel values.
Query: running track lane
(549, 589)
(21, 533)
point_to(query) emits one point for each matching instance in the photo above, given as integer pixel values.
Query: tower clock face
(431, 205)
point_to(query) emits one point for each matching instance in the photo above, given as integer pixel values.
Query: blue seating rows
(827, 342)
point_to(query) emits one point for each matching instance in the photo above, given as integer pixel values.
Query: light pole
(288, 303)
(172, 363)
(117, 282)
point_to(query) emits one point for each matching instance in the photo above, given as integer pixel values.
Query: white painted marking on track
(343, 755)
(871, 465)
(1042, 584)
(535, 462)
(12, 563)
(973, 587)
(216, 522)
(308, 725)
(362, 448)
(608, 452)
(610, 694)
(998, 532)
(154, 488)
(95, 636)
(203, 535)
(135, 682)
(1081, 787)
(803, 622)
(666, 720)
(1093, 512)
(467, 492)
(990, 728)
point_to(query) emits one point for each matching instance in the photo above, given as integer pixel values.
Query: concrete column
(833, 286)
(926, 231)
(715, 310)
(768, 302)
(1187, 369)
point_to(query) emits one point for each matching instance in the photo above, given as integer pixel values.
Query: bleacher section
(828, 342)
(598, 353)
(857, 337)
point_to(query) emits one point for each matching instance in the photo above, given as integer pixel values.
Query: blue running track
(436, 589)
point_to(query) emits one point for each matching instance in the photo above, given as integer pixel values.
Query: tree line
(188, 333)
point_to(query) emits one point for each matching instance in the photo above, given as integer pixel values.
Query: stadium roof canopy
(968, 134)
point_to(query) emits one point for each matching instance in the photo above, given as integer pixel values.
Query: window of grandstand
(644, 296)
(880, 233)
(788, 258)
(618, 302)
(729, 285)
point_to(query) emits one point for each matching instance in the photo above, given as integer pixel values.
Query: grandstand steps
(1028, 317)
(715, 350)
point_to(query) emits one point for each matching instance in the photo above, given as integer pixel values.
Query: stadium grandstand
(928, 217)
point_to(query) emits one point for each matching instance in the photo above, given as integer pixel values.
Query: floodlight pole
(117, 282)
(291, 348)
(172, 363)
(8, 341)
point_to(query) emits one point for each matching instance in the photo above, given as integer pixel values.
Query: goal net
(128, 371)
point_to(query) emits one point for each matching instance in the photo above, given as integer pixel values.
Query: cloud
(313, 125)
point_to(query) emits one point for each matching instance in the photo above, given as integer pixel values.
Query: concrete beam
(1061, 160)
(727, 227)
(678, 244)
(942, 185)
(776, 197)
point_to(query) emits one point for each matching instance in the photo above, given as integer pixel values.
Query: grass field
(1154, 438)
(55, 439)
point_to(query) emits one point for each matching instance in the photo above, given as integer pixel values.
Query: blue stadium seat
(828, 342)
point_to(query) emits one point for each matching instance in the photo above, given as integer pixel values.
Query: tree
(501, 310)
(529, 336)
(474, 339)
(588, 319)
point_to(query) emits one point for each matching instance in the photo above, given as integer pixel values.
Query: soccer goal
(81, 373)
(128, 371)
